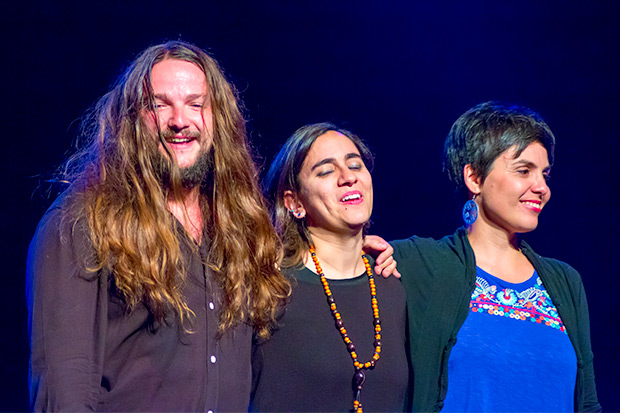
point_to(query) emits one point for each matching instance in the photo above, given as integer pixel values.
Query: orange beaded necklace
(359, 377)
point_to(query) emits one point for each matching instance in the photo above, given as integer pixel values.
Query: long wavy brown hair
(122, 198)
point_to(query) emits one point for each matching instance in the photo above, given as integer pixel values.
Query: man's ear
(293, 204)
(472, 179)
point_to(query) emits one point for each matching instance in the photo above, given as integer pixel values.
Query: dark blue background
(397, 74)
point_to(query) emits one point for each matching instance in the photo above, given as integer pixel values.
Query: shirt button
(213, 359)
(211, 306)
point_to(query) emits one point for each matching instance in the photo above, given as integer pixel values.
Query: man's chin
(198, 173)
(192, 175)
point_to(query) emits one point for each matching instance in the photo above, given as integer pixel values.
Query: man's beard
(192, 176)
(198, 173)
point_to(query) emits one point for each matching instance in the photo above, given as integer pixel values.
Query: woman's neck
(497, 252)
(485, 237)
(339, 255)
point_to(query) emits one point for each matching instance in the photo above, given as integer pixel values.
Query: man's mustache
(170, 134)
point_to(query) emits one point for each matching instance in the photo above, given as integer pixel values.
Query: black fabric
(439, 277)
(89, 354)
(305, 366)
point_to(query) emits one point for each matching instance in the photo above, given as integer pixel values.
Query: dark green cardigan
(440, 277)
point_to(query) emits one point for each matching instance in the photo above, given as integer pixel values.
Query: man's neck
(186, 209)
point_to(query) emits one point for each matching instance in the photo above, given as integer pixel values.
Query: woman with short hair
(494, 326)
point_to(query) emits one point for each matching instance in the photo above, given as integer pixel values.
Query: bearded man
(150, 273)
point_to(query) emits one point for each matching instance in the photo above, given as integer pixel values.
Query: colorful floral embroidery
(532, 304)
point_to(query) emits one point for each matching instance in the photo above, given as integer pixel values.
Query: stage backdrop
(398, 75)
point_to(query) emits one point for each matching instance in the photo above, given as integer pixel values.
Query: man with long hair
(150, 273)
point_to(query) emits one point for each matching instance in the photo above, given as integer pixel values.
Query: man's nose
(178, 121)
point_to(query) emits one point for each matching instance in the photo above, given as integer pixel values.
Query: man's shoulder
(61, 219)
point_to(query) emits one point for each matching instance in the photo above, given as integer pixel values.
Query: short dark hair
(283, 176)
(485, 131)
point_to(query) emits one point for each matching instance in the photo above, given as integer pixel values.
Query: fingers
(375, 246)
(385, 255)
(382, 252)
(388, 268)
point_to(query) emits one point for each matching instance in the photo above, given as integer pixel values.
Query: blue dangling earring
(470, 212)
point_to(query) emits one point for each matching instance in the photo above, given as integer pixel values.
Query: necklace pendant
(358, 381)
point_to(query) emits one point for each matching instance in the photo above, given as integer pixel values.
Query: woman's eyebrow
(332, 160)
(322, 162)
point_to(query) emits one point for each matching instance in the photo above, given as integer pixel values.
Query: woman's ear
(471, 179)
(293, 204)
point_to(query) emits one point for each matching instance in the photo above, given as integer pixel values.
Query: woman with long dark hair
(340, 344)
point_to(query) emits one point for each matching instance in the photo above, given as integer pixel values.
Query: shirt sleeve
(586, 364)
(67, 309)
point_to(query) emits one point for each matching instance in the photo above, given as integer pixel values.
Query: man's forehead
(176, 73)
(173, 66)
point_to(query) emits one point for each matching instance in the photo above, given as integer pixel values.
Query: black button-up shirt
(89, 353)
